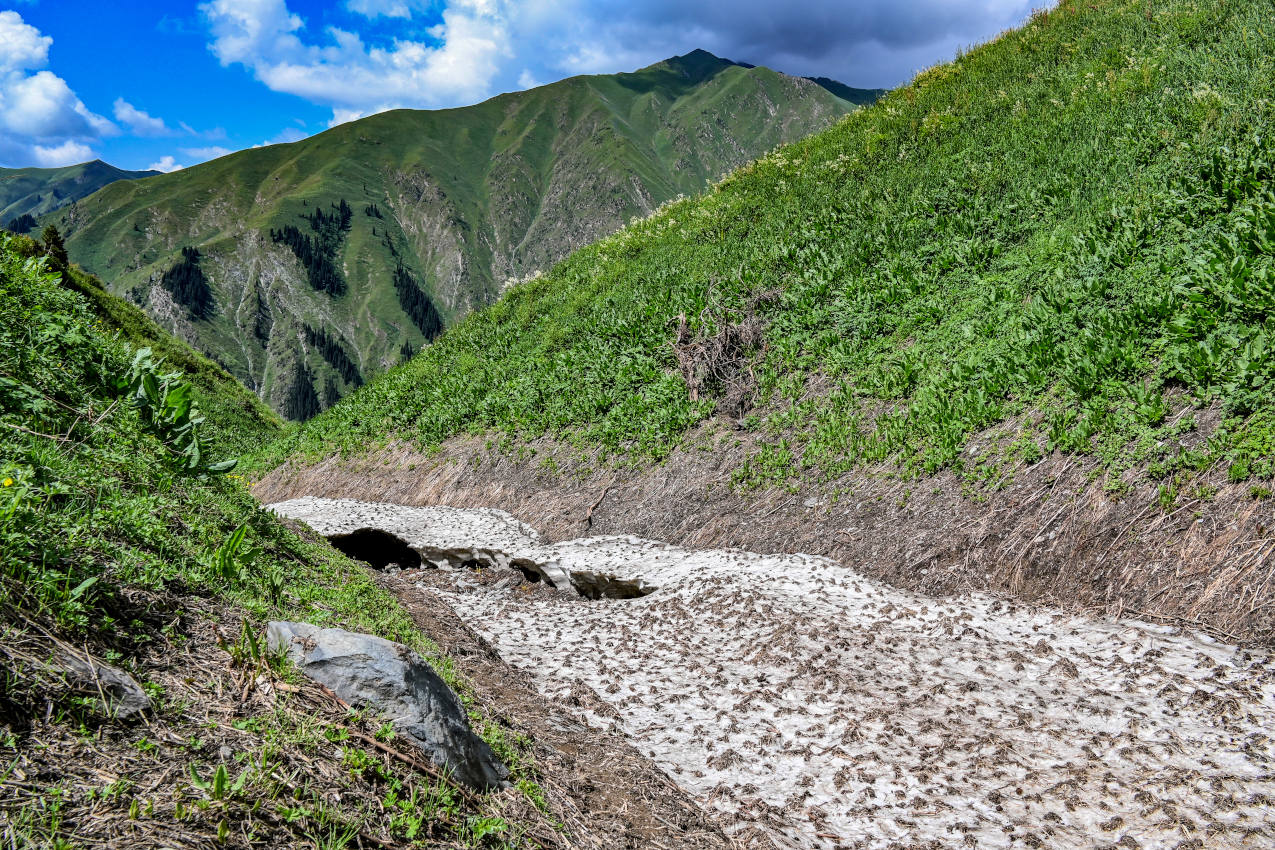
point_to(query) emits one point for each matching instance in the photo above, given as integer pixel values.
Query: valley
(699, 457)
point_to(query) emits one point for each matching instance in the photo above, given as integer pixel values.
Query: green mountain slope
(303, 301)
(37, 191)
(863, 97)
(123, 545)
(1065, 234)
(235, 418)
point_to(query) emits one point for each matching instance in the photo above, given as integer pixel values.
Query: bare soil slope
(1049, 532)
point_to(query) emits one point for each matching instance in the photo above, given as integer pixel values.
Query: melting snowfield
(819, 709)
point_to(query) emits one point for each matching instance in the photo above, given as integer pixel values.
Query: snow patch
(819, 708)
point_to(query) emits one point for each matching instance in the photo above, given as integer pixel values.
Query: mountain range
(28, 193)
(306, 268)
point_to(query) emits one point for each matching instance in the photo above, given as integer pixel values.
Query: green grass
(469, 198)
(102, 497)
(1059, 233)
(236, 419)
(92, 499)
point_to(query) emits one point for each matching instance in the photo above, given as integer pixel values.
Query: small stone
(125, 699)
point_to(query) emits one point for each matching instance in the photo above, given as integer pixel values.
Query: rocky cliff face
(445, 207)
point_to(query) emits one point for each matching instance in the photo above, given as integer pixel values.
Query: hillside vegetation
(28, 193)
(1064, 235)
(235, 419)
(128, 539)
(380, 231)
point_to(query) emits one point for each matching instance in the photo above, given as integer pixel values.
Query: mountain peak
(698, 65)
(699, 54)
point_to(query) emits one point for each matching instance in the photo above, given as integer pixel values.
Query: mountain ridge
(445, 207)
(36, 192)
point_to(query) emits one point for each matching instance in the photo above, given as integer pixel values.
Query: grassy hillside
(1062, 236)
(126, 540)
(37, 191)
(235, 419)
(444, 207)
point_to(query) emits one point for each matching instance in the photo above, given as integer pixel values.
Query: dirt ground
(1052, 533)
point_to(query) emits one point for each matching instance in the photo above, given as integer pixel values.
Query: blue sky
(163, 85)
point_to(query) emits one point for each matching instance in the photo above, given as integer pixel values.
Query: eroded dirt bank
(1054, 533)
(817, 708)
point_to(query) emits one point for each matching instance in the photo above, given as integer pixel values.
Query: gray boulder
(124, 698)
(371, 672)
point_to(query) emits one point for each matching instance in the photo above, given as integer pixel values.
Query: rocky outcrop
(371, 672)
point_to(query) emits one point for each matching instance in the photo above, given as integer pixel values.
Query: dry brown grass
(717, 364)
(316, 773)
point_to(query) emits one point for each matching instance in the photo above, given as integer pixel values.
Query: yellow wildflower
(8, 482)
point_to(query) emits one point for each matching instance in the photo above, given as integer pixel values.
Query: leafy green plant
(166, 406)
(219, 787)
(227, 562)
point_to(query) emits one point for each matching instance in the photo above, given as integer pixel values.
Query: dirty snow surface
(813, 707)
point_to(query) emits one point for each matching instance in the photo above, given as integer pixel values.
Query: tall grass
(106, 480)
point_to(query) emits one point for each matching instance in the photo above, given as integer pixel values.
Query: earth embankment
(1055, 532)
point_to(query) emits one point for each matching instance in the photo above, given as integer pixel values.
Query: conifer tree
(55, 250)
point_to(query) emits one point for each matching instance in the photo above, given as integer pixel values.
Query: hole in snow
(378, 548)
(601, 586)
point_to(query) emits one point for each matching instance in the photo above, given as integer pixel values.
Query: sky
(163, 85)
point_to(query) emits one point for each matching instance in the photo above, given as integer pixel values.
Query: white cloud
(139, 122)
(248, 31)
(476, 48)
(166, 164)
(69, 152)
(457, 65)
(205, 154)
(42, 121)
(386, 8)
(345, 116)
(22, 47)
(283, 137)
(42, 106)
(287, 135)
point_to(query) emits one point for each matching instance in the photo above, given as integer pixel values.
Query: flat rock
(370, 672)
(124, 698)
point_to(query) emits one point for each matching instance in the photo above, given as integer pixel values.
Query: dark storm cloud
(877, 42)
